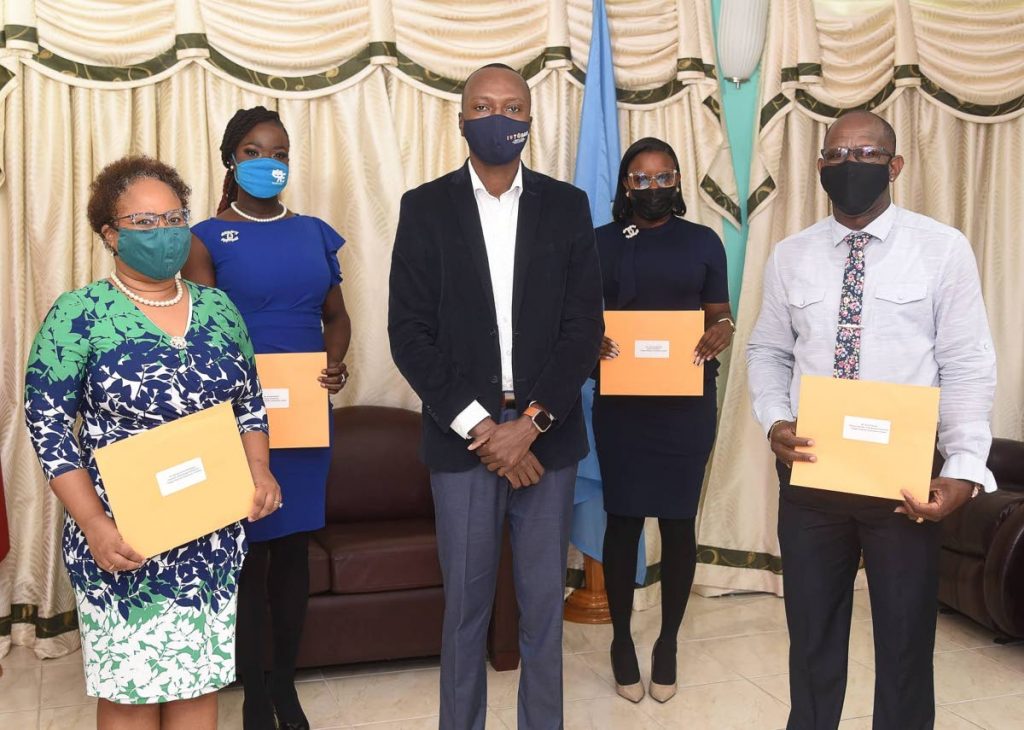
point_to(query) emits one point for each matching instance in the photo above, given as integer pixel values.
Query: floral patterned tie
(847, 363)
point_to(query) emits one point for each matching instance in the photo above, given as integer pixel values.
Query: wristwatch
(542, 420)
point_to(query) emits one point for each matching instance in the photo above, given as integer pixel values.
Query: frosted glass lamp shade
(741, 28)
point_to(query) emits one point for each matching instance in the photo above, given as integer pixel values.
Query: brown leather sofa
(981, 572)
(375, 582)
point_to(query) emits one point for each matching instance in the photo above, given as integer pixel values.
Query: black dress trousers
(822, 535)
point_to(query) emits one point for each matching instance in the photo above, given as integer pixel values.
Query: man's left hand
(946, 496)
(505, 445)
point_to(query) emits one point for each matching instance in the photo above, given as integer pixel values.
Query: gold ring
(919, 520)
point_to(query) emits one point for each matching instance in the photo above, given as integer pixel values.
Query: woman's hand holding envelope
(609, 348)
(716, 338)
(334, 377)
(108, 548)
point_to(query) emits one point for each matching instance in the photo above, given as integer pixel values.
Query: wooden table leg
(589, 605)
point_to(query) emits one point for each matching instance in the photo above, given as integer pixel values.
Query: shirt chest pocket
(901, 307)
(807, 310)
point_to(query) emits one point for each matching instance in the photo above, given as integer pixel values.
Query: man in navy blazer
(495, 320)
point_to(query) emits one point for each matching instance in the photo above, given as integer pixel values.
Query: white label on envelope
(276, 397)
(651, 350)
(184, 475)
(872, 430)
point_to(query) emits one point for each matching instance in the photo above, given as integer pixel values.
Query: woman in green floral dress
(127, 354)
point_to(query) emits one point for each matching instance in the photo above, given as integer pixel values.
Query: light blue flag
(597, 167)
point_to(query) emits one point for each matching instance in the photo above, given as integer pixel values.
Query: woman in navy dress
(281, 270)
(653, 449)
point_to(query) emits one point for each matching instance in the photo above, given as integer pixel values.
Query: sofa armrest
(503, 634)
(1004, 575)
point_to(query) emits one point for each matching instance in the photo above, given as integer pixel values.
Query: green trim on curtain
(706, 555)
(110, 74)
(337, 74)
(906, 71)
(24, 33)
(46, 628)
(760, 193)
(747, 559)
(716, 193)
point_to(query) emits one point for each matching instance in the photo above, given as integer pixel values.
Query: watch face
(542, 420)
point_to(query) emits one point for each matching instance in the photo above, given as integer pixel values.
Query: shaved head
(494, 79)
(865, 126)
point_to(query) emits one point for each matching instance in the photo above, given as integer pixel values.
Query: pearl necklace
(177, 342)
(179, 292)
(254, 219)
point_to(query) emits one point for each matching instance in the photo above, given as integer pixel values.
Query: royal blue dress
(653, 449)
(278, 275)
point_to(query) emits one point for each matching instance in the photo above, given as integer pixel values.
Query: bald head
(495, 82)
(858, 128)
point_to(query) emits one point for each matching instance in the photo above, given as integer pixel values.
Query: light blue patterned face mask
(263, 177)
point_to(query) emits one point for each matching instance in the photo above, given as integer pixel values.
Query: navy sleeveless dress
(653, 450)
(278, 275)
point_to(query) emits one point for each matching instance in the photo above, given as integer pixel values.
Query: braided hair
(239, 126)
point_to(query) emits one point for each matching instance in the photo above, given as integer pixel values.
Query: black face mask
(854, 186)
(653, 203)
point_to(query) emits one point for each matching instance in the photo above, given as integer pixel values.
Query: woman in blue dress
(653, 449)
(127, 354)
(281, 270)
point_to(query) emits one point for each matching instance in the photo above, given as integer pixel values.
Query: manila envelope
(655, 353)
(298, 407)
(870, 438)
(178, 481)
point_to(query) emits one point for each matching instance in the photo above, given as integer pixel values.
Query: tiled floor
(732, 675)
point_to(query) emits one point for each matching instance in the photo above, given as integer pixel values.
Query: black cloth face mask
(653, 203)
(854, 186)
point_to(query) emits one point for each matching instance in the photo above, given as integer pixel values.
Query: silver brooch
(630, 231)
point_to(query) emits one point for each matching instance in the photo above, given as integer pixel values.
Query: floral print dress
(167, 630)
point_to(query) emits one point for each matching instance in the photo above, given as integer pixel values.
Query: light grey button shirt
(924, 323)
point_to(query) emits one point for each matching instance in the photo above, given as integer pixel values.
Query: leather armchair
(375, 581)
(981, 570)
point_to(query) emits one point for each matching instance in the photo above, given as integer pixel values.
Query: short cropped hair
(114, 179)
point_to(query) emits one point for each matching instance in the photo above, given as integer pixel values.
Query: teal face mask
(158, 253)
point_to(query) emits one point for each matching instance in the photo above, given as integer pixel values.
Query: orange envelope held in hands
(869, 438)
(297, 405)
(178, 481)
(655, 353)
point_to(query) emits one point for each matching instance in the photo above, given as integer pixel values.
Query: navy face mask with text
(496, 139)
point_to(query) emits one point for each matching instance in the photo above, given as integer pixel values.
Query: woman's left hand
(334, 377)
(267, 498)
(716, 338)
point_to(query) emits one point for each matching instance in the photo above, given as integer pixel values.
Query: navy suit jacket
(442, 325)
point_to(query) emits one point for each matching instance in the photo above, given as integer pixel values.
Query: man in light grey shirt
(878, 293)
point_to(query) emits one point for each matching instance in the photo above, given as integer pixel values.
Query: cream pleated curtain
(369, 94)
(949, 76)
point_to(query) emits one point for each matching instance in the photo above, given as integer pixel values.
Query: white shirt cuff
(469, 418)
(774, 415)
(969, 468)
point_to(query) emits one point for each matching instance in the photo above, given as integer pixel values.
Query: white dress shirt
(499, 219)
(924, 323)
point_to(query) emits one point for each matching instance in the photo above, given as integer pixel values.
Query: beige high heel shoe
(661, 692)
(632, 692)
